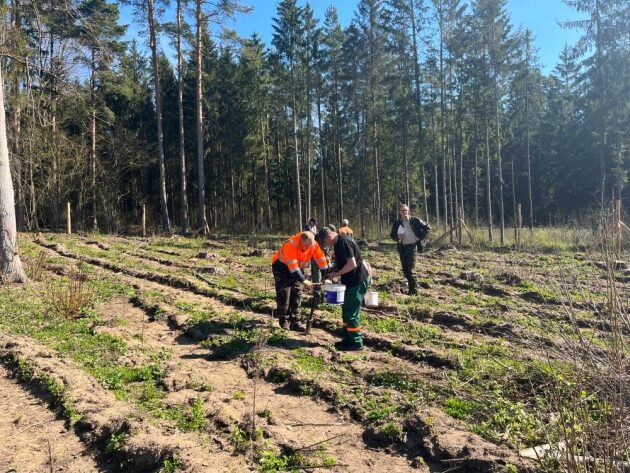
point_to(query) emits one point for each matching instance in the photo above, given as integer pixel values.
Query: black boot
(413, 290)
(297, 326)
(284, 322)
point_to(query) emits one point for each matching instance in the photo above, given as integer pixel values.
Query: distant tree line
(432, 102)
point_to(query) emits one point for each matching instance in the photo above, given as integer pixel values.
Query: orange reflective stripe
(354, 329)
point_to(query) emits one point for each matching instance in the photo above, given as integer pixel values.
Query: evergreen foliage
(441, 103)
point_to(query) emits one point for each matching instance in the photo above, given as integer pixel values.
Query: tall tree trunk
(16, 118)
(377, 177)
(488, 186)
(166, 224)
(437, 193)
(476, 185)
(297, 165)
(180, 111)
(417, 85)
(267, 174)
(443, 114)
(56, 197)
(514, 203)
(451, 199)
(202, 223)
(529, 161)
(455, 192)
(93, 140)
(424, 195)
(405, 158)
(32, 208)
(362, 157)
(445, 189)
(309, 157)
(500, 164)
(461, 171)
(322, 162)
(336, 150)
(340, 176)
(10, 263)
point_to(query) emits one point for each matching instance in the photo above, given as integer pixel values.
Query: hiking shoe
(297, 326)
(345, 345)
(284, 323)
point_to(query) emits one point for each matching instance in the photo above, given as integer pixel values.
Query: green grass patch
(460, 408)
(398, 380)
(307, 362)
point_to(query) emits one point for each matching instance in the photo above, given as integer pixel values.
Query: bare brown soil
(297, 396)
(33, 439)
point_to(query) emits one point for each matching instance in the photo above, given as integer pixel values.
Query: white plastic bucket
(371, 299)
(334, 293)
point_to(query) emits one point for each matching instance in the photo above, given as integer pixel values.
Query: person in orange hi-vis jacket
(288, 265)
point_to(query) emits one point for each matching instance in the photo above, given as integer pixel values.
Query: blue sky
(541, 16)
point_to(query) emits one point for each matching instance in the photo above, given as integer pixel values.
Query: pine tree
(332, 44)
(493, 23)
(101, 34)
(287, 40)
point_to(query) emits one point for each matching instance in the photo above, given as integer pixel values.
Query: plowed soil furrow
(143, 446)
(393, 344)
(418, 361)
(483, 455)
(34, 440)
(298, 421)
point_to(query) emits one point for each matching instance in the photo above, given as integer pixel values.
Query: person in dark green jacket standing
(355, 275)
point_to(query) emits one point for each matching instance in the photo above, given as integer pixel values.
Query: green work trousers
(351, 311)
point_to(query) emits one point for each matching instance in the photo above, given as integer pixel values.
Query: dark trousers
(314, 271)
(288, 296)
(408, 261)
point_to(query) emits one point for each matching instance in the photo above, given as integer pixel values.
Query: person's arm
(292, 263)
(350, 265)
(394, 233)
(320, 257)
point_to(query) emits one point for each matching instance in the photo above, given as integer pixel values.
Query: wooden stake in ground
(618, 227)
(460, 221)
(10, 263)
(519, 226)
(68, 219)
(144, 219)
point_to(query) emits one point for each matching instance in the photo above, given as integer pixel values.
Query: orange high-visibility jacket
(295, 259)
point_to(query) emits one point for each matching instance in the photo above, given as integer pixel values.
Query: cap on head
(312, 220)
(322, 235)
(344, 222)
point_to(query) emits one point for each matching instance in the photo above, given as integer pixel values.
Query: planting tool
(309, 321)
